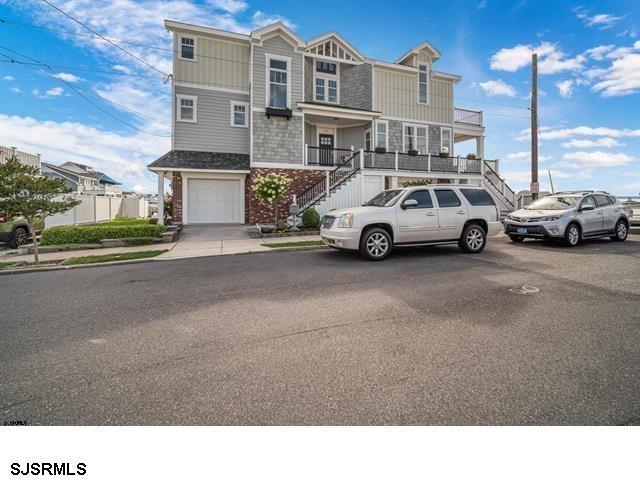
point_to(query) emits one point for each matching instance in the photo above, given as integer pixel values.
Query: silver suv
(570, 217)
(434, 215)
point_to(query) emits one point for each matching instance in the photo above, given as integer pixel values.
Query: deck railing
(327, 157)
(500, 185)
(470, 117)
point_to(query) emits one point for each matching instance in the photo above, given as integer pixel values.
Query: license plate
(522, 230)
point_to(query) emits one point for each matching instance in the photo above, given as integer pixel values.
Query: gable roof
(337, 44)
(281, 29)
(433, 51)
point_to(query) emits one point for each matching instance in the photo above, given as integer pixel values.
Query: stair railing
(499, 185)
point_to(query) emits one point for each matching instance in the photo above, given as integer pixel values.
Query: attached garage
(214, 200)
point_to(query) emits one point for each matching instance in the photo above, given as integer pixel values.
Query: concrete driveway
(199, 240)
(208, 233)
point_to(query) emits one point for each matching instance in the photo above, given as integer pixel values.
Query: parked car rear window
(478, 197)
(602, 200)
(422, 197)
(447, 198)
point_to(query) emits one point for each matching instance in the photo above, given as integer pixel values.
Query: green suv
(14, 232)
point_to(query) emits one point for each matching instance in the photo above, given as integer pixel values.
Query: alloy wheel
(621, 231)
(573, 235)
(377, 245)
(475, 238)
(21, 237)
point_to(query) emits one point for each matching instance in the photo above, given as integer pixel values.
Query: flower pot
(471, 156)
(412, 152)
(380, 150)
(444, 154)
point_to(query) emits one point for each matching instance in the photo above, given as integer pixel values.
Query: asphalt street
(430, 336)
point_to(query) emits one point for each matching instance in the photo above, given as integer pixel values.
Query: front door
(418, 224)
(326, 148)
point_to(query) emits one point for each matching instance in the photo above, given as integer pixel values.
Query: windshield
(384, 199)
(553, 203)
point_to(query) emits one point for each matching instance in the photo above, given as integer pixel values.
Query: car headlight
(552, 218)
(346, 221)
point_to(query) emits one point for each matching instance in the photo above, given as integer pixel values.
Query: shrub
(271, 189)
(94, 233)
(138, 241)
(417, 183)
(310, 218)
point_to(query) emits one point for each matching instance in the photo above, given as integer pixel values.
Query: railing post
(396, 160)
(362, 159)
(458, 163)
(306, 154)
(502, 185)
(328, 182)
(482, 167)
(429, 162)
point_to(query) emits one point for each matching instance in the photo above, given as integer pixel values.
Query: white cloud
(552, 133)
(231, 6)
(631, 188)
(599, 52)
(622, 78)
(8, 78)
(550, 59)
(495, 88)
(16, 89)
(68, 77)
(565, 88)
(526, 155)
(596, 159)
(606, 142)
(482, 5)
(260, 19)
(52, 92)
(600, 20)
(138, 188)
(123, 157)
(122, 68)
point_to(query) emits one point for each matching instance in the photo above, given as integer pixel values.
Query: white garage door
(214, 201)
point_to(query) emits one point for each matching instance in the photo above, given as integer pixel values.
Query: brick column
(176, 193)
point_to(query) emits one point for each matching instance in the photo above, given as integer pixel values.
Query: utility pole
(534, 127)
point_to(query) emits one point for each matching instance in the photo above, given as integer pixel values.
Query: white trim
(374, 139)
(446, 76)
(203, 170)
(364, 139)
(415, 135)
(325, 36)
(326, 77)
(285, 32)
(267, 65)
(181, 96)
(393, 66)
(334, 133)
(172, 25)
(413, 120)
(195, 47)
(232, 104)
(337, 111)
(418, 48)
(450, 139)
(239, 91)
(251, 97)
(291, 166)
(418, 83)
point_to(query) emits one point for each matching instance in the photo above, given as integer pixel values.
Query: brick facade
(176, 195)
(256, 212)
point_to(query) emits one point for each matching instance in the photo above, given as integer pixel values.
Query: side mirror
(587, 207)
(411, 203)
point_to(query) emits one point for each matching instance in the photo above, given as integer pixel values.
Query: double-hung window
(187, 48)
(423, 83)
(326, 82)
(239, 114)
(415, 138)
(278, 87)
(381, 134)
(445, 140)
(187, 108)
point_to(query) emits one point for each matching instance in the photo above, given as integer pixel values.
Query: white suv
(433, 215)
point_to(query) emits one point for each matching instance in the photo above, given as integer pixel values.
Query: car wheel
(375, 244)
(516, 238)
(572, 235)
(19, 237)
(621, 232)
(473, 239)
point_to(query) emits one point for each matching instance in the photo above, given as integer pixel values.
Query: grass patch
(112, 257)
(306, 243)
(4, 265)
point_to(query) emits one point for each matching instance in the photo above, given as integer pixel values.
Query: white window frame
(195, 48)
(450, 130)
(267, 63)
(326, 77)
(375, 136)
(367, 130)
(427, 84)
(246, 114)
(415, 136)
(179, 98)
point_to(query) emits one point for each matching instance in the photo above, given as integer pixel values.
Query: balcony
(467, 117)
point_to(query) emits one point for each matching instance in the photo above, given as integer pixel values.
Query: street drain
(524, 290)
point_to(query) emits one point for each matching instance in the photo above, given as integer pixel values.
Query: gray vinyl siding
(276, 46)
(310, 134)
(396, 95)
(351, 136)
(213, 131)
(218, 62)
(356, 85)
(308, 79)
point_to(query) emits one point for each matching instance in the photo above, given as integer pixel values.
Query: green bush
(120, 222)
(95, 233)
(138, 241)
(310, 218)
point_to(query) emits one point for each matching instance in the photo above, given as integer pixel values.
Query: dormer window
(423, 83)
(326, 82)
(187, 48)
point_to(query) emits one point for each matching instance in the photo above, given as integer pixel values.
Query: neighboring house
(341, 126)
(83, 179)
(23, 157)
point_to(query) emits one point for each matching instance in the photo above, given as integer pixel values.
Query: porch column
(394, 182)
(480, 147)
(160, 198)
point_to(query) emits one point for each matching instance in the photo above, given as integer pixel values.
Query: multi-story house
(341, 126)
(83, 179)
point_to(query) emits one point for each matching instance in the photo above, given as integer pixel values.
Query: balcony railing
(324, 156)
(421, 163)
(470, 117)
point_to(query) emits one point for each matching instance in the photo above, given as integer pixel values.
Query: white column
(160, 198)
(306, 153)
(429, 163)
(394, 182)
(396, 163)
(362, 159)
(328, 183)
(480, 147)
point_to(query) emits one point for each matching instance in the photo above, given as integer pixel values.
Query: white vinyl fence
(94, 209)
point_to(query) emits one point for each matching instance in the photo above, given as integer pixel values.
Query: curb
(153, 259)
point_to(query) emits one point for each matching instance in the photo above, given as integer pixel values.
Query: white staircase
(505, 198)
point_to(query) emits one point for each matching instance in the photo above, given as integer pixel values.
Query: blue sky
(589, 76)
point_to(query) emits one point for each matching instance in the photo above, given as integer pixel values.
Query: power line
(77, 91)
(81, 69)
(105, 38)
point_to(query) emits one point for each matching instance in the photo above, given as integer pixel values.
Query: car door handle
(430, 214)
(461, 212)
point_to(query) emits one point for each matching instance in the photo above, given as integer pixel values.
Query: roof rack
(575, 192)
